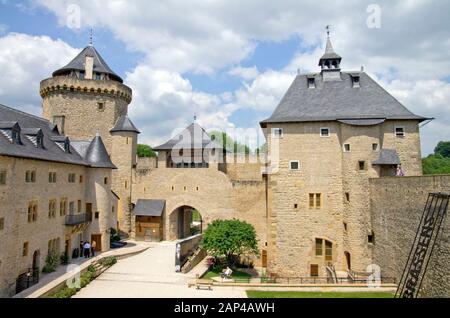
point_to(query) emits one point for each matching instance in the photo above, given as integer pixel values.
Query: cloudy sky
(229, 61)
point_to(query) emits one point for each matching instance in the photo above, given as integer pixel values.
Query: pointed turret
(124, 123)
(330, 62)
(96, 154)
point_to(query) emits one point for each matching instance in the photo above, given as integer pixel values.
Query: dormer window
(62, 142)
(355, 81)
(15, 135)
(311, 82)
(35, 135)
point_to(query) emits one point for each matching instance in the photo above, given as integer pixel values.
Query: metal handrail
(76, 219)
(306, 280)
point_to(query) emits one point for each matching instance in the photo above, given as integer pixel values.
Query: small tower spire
(328, 28)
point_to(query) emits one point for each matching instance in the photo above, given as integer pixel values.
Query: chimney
(89, 67)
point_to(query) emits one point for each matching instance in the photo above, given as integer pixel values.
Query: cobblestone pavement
(150, 274)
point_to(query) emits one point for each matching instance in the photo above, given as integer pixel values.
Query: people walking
(87, 250)
(93, 246)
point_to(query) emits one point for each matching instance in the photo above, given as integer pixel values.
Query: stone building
(54, 193)
(316, 199)
(332, 132)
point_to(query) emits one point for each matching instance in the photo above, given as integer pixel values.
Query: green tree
(230, 239)
(145, 151)
(229, 143)
(443, 149)
(436, 164)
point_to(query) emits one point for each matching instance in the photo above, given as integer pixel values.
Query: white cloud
(247, 73)
(164, 102)
(24, 61)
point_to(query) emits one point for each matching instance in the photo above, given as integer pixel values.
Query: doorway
(98, 241)
(36, 260)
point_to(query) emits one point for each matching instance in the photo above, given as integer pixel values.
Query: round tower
(84, 96)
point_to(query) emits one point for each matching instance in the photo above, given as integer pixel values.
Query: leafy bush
(114, 235)
(108, 261)
(51, 262)
(64, 258)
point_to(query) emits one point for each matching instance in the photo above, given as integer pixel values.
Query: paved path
(150, 274)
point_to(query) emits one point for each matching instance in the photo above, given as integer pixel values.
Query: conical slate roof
(124, 124)
(97, 156)
(77, 64)
(330, 54)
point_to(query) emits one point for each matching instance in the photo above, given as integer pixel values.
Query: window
(346, 147)
(63, 207)
(371, 238)
(355, 81)
(79, 206)
(295, 206)
(324, 132)
(72, 177)
(375, 147)
(105, 180)
(51, 208)
(2, 223)
(347, 196)
(113, 209)
(81, 179)
(277, 132)
(30, 176)
(71, 208)
(2, 177)
(361, 165)
(126, 184)
(52, 177)
(311, 82)
(294, 165)
(315, 200)
(32, 212)
(25, 249)
(328, 250)
(399, 131)
(345, 227)
(314, 271)
(96, 214)
(101, 106)
(319, 243)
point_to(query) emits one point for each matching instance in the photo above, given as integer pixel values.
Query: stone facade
(325, 167)
(396, 209)
(16, 196)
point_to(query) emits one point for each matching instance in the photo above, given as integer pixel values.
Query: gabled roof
(337, 100)
(77, 64)
(86, 153)
(97, 156)
(193, 137)
(149, 207)
(124, 124)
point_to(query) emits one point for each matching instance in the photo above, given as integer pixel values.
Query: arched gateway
(184, 221)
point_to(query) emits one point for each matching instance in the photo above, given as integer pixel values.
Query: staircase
(332, 274)
(422, 248)
(196, 257)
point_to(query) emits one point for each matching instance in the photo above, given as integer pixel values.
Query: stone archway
(184, 221)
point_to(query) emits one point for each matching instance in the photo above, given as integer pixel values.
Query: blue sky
(229, 62)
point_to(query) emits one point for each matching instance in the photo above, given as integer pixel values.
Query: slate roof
(53, 142)
(124, 124)
(191, 138)
(77, 64)
(97, 156)
(387, 157)
(149, 207)
(338, 100)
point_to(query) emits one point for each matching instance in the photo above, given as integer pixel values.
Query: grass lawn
(282, 294)
(236, 274)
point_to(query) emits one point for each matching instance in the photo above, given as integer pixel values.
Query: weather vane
(328, 28)
(91, 37)
(195, 117)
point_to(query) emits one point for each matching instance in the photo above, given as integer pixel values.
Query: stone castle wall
(396, 208)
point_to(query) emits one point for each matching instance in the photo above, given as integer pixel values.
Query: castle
(74, 174)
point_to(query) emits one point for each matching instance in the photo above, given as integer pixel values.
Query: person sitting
(226, 273)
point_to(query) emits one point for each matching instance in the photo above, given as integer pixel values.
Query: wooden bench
(206, 283)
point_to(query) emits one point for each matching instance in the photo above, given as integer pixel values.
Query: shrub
(51, 262)
(114, 235)
(108, 261)
(64, 258)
